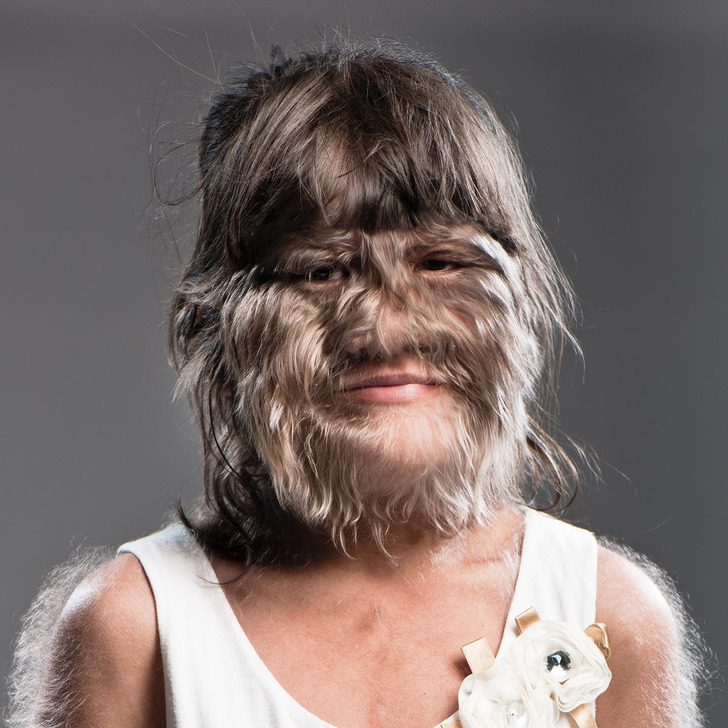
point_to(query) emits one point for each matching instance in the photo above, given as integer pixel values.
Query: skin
(330, 626)
(332, 623)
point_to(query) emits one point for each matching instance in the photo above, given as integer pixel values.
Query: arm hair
(697, 664)
(35, 646)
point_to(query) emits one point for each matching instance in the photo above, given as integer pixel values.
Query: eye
(438, 265)
(326, 273)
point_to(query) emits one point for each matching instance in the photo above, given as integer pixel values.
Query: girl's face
(387, 368)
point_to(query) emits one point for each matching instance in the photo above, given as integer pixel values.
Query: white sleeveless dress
(215, 679)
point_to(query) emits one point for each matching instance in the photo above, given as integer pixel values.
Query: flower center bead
(558, 662)
(514, 711)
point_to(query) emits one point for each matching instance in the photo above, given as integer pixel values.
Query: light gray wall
(622, 116)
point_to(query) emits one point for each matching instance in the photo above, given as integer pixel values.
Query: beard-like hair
(328, 462)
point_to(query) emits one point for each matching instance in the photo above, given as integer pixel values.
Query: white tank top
(213, 676)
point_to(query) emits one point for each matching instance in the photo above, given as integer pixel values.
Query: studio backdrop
(621, 112)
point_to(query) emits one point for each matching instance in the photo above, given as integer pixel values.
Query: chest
(363, 657)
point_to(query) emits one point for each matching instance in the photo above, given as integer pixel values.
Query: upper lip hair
(391, 378)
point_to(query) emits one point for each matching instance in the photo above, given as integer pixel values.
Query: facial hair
(339, 466)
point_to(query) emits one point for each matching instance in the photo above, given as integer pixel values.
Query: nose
(389, 334)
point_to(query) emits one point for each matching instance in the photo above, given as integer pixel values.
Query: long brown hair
(369, 139)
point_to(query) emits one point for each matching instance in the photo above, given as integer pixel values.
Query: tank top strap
(190, 631)
(557, 575)
(213, 677)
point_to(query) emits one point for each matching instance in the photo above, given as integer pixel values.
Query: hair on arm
(697, 666)
(34, 645)
(90, 654)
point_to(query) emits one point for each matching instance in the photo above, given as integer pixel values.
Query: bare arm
(657, 657)
(101, 662)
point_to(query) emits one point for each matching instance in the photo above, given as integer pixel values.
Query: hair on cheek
(354, 138)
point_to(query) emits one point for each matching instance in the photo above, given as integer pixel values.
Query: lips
(392, 379)
(391, 386)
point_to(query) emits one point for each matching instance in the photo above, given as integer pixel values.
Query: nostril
(357, 346)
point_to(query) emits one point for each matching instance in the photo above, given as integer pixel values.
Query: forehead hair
(354, 138)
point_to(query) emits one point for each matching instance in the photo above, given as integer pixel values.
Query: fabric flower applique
(497, 698)
(551, 669)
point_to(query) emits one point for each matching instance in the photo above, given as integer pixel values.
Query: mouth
(392, 386)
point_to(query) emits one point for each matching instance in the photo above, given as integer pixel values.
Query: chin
(411, 440)
(433, 463)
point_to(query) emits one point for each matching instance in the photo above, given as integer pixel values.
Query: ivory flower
(562, 660)
(550, 669)
(501, 699)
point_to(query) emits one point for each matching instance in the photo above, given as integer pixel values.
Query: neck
(412, 549)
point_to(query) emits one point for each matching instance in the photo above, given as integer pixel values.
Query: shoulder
(645, 636)
(111, 606)
(106, 666)
(628, 592)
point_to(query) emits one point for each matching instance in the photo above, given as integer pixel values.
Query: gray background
(621, 112)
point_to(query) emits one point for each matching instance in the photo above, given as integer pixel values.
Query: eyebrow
(479, 247)
(476, 248)
(454, 243)
(336, 244)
